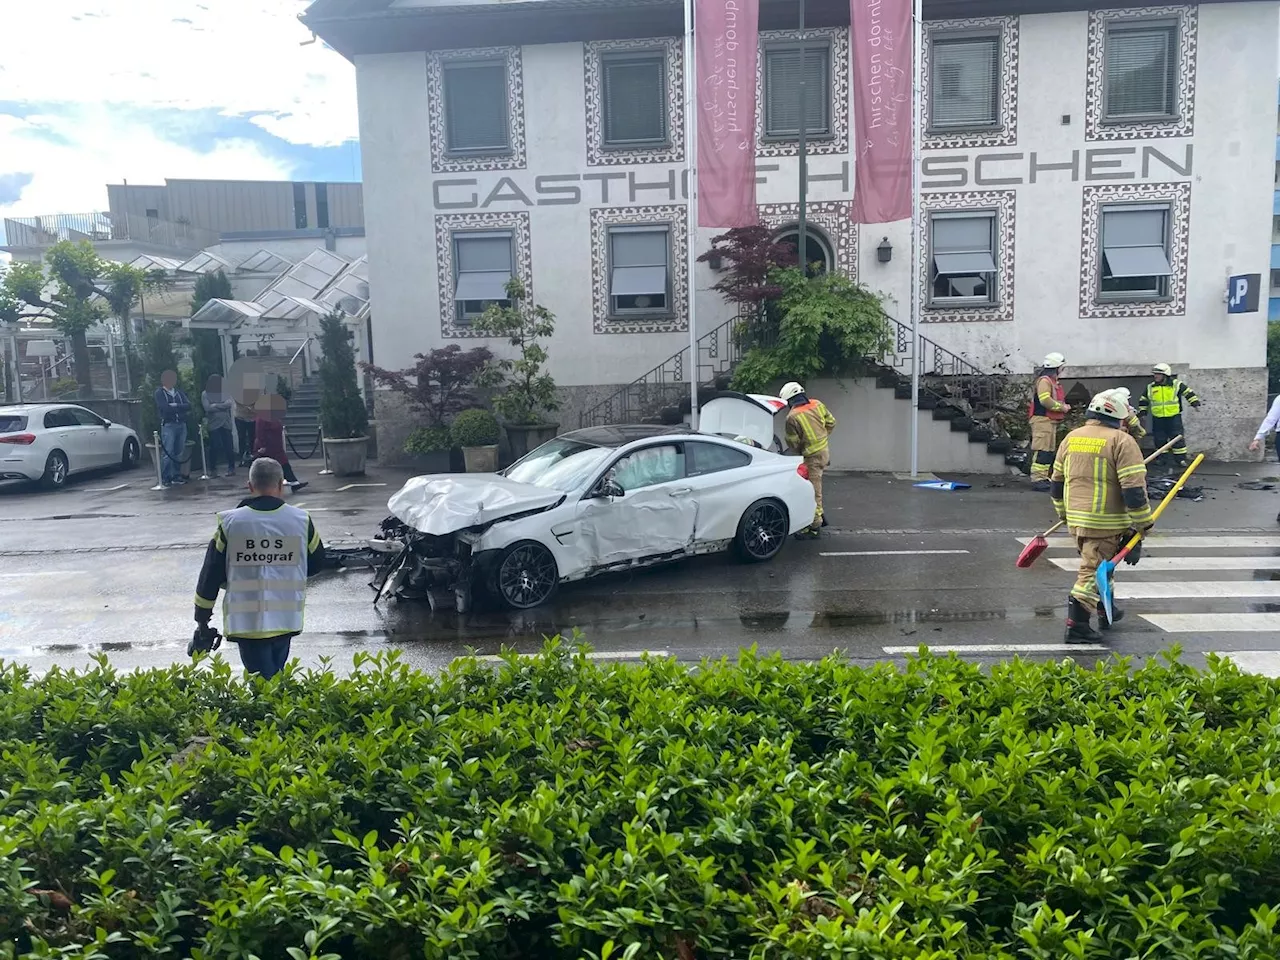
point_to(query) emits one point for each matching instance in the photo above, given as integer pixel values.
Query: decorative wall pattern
(441, 162)
(517, 221)
(673, 152)
(1003, 203)
(831, 217)
(838, 142)
(1095, 91)
(1178, 196)
(1007, 133)
(604, 217)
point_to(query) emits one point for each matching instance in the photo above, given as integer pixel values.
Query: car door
(94, 438)
(654, 517)
(722, 486)
(63, 433)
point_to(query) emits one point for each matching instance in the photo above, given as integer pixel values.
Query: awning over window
(638, 281)
(1137, 262)
(482, 285)
(957, 264)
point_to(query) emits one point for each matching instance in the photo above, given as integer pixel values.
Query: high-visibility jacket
(1047, 399)
(809, 427)
(1134, 426)
(266, 557)
(1099, 482)
(1165, 399)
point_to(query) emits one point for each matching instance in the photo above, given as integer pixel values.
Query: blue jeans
(173, 438)
(264, 657)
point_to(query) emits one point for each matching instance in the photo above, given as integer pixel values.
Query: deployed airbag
(442, 504)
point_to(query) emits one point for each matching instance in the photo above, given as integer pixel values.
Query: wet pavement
(108, 566)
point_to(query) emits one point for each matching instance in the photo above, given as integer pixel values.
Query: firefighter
(1047, 409)
(809, 426)
(1099, 487)
(1133, 423)
(1163, 399)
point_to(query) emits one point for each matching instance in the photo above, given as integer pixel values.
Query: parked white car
(51, 441)
(594, 501)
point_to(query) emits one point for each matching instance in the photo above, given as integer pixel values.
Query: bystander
(217, 417)
(172, 406)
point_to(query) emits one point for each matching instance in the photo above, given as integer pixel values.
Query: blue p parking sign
(1243, 293)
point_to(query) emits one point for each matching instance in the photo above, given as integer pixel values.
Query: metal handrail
(299, 350)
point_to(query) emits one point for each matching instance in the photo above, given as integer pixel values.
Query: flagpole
(917, 122)
(691, 153)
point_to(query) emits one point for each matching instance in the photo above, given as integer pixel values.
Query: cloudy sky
(101, 91)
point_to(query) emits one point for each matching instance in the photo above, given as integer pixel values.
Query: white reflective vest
(266, 553)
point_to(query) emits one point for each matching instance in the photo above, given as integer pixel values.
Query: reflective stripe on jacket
(1047, 399)
(1096, 464)
(809, 426)
(1165, 399)
(266, 557)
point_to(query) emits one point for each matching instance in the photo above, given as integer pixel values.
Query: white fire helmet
(1054, 361)
(1163, 368)
(1110, 404)
(790, 390)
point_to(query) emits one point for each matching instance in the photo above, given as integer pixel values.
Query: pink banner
(725, 33)
(882, 72)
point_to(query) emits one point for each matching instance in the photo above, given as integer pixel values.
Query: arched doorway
(819, 257)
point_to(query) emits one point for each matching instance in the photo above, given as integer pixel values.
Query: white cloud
(74, 154)
(241, 57)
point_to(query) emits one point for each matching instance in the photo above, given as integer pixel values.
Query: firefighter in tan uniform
(1048, 408)
(809, 426)
(1133, 423)
(1099, 486)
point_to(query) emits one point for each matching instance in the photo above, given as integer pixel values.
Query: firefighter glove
(1134, 555)
(205, 640)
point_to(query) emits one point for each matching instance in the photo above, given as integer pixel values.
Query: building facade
(1090, 179)
(1273, 305)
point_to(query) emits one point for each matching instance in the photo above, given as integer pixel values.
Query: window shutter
(476, 107)
(635, 104)
(483, 253)
(962, 235)
(782, 96)
(965, 82)
(1141, 68)
(647, 248)
(1133, 228)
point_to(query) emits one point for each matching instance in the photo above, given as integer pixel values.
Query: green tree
(342, 410)
(525, 393)
(206, 345)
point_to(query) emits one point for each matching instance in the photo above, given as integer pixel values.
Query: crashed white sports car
(598, 500)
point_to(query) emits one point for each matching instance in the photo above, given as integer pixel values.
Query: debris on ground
(1159, 489)
(942, 485)
(1266, 483)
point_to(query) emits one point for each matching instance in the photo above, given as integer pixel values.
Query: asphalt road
(106, 568)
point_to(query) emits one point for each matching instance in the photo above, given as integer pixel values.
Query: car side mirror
(105, 423)
(611, 488)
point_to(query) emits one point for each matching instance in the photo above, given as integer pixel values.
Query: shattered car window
(559, 465)
(646, 467)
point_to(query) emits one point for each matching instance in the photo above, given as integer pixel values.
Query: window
(475, 107)
(1275, 279)
(482, 265)
(639, 272)
(965, 82)
(1135, 253)
(299, 206)
(57, 419)
(86, 418)
(12, 422)
(1140, 71)
(1278, 173)
(962, 268)
(1275, 226)
(782, 90)
(634, 95)
(817, 251)
(704, 458)
(322, 205)
(153, 213)
(649, 466)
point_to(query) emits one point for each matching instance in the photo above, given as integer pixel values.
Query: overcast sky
(101, 91)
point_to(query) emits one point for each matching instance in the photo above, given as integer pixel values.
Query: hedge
(554, 807)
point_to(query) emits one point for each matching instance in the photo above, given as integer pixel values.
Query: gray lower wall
(127, 412)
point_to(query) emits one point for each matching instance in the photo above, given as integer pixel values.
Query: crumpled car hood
(444, 503)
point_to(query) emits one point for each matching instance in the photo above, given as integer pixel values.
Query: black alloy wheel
(762, 531)
(526, 576)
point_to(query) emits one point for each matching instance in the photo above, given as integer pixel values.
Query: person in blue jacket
(172, 406)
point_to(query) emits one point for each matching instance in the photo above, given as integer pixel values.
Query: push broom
(1038, 545)
(1108, 567)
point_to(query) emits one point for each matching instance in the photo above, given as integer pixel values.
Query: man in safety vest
(1132, 424)
(809, 426)
(1048, 408)
(1099, 486)
(261, 555)
(1163, 399)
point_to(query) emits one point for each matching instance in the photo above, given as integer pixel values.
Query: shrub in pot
(524, 393)
(430, 447)
(476, 432)
(342, 411)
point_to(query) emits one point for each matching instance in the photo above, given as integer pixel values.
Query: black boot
(1040, 486)
(1116, 616)
(1079, 630)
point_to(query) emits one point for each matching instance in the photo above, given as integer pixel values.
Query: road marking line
(119, 486)
(888, 553)
(1188, 563)
(1265, 662)
(42, 573)
(593, 655)
(1214, 622)
(1178, 543)
(996, 648)
(1196, 589)
(351, 485)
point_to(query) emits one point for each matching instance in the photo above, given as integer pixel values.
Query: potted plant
(524, 393)
(342, 411)
(436, 388)
(476, 432)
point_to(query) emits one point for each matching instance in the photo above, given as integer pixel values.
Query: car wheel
(762, 531)
(129, 458)
(56, 470)
(526, 576)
